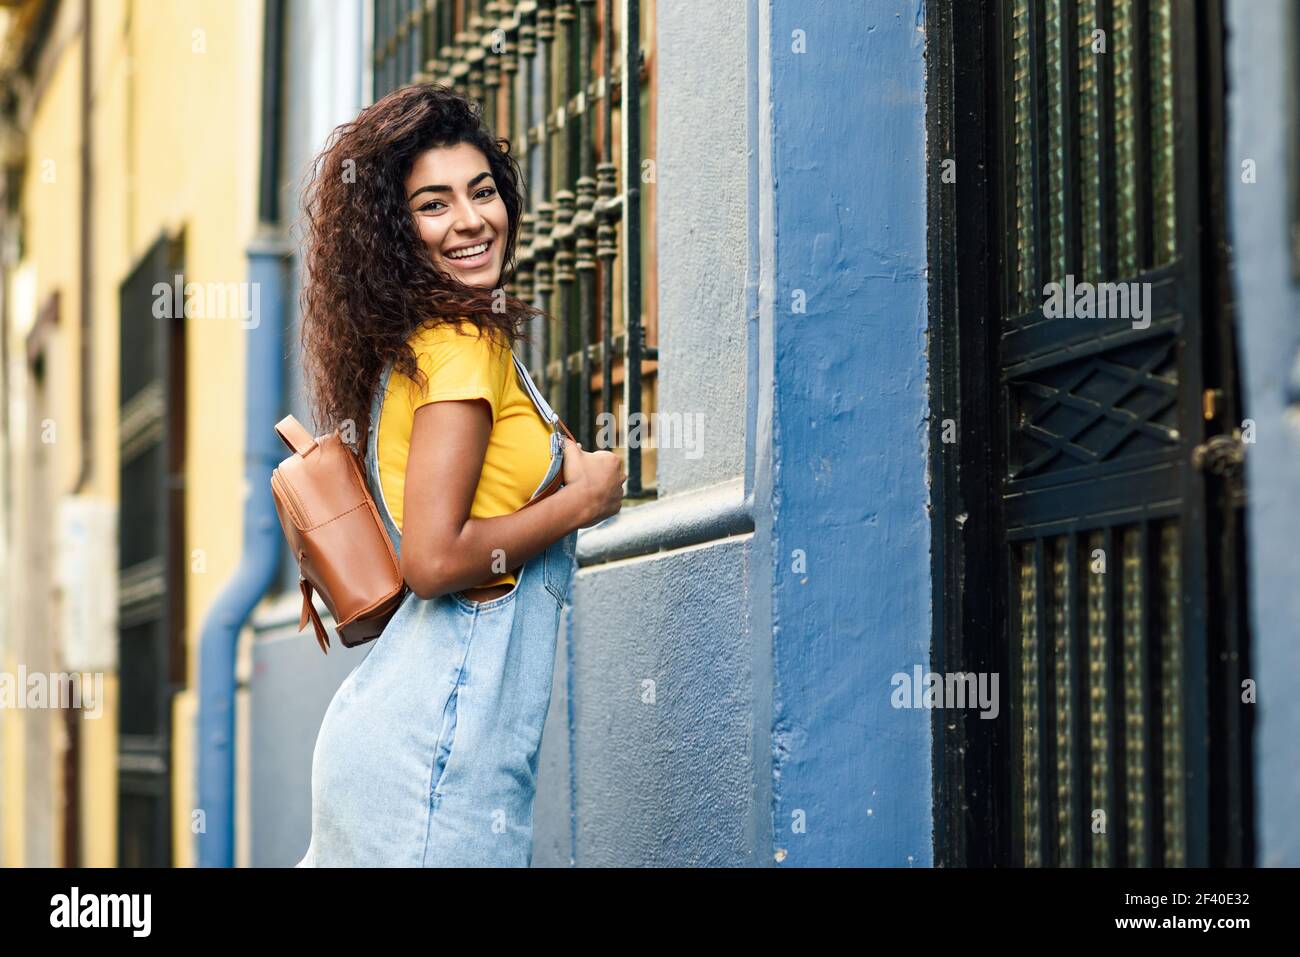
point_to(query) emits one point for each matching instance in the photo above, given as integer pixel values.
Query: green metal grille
(1063, 637)
(1133, 645)
(1171, 697)
(1162, 131)
(1099, 703)
(1105, 597)
(1123, 38)
(1089, 142)
(1022, 79)
(1057, 198)
(1033, 838)
(1135, 794)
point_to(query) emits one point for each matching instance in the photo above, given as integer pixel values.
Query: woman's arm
(443, 549)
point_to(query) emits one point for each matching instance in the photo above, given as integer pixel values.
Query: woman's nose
(469, 220)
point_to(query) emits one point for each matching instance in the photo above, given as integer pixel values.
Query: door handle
(1220, 454)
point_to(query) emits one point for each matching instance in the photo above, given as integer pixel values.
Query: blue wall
(848, 468)
(1261, 87)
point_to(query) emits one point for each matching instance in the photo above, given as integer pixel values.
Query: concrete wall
(731, 645)
(290, 684)
(658, 763)
(1262, 112)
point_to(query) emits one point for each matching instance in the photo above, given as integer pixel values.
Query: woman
(427, 755)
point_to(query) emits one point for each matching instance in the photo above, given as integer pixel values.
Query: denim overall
(427, 755)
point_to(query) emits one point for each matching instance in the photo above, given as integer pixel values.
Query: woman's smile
(470, 256)
(459, 213)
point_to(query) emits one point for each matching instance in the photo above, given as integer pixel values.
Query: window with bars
(1090, 110)
(571, 84)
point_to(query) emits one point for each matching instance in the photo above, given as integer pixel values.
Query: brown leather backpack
(337, 537)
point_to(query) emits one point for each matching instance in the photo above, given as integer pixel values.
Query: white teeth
(466, 253)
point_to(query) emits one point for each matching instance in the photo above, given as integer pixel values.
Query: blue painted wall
(1261, 86)
(849, 448)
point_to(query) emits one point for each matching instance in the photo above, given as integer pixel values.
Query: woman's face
(458, 210)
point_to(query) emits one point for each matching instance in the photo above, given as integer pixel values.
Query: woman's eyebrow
(439, 188)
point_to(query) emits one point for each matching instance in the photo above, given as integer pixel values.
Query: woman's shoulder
(461, 335)
(454, 353)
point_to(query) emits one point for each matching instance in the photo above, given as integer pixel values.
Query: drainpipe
(260, 557)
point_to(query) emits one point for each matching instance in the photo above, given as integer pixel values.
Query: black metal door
(150, 549)
(1114, 533)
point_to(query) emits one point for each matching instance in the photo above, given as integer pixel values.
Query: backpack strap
(535, 394)
(309, 611)
(294, 435)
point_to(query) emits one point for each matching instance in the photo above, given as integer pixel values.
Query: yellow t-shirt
(467, 366)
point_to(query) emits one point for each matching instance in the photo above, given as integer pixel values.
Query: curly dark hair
(368, 280)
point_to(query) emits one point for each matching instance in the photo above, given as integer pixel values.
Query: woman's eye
(429, 206)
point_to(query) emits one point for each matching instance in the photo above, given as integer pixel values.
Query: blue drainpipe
(260, 558)
(259, 561)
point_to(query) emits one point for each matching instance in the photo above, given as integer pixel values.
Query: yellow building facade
(169, 96)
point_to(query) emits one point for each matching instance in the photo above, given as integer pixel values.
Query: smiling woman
(459, 212)
(427, 754)
(391, 203)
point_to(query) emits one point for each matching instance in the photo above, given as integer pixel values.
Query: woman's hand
(599, 476)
